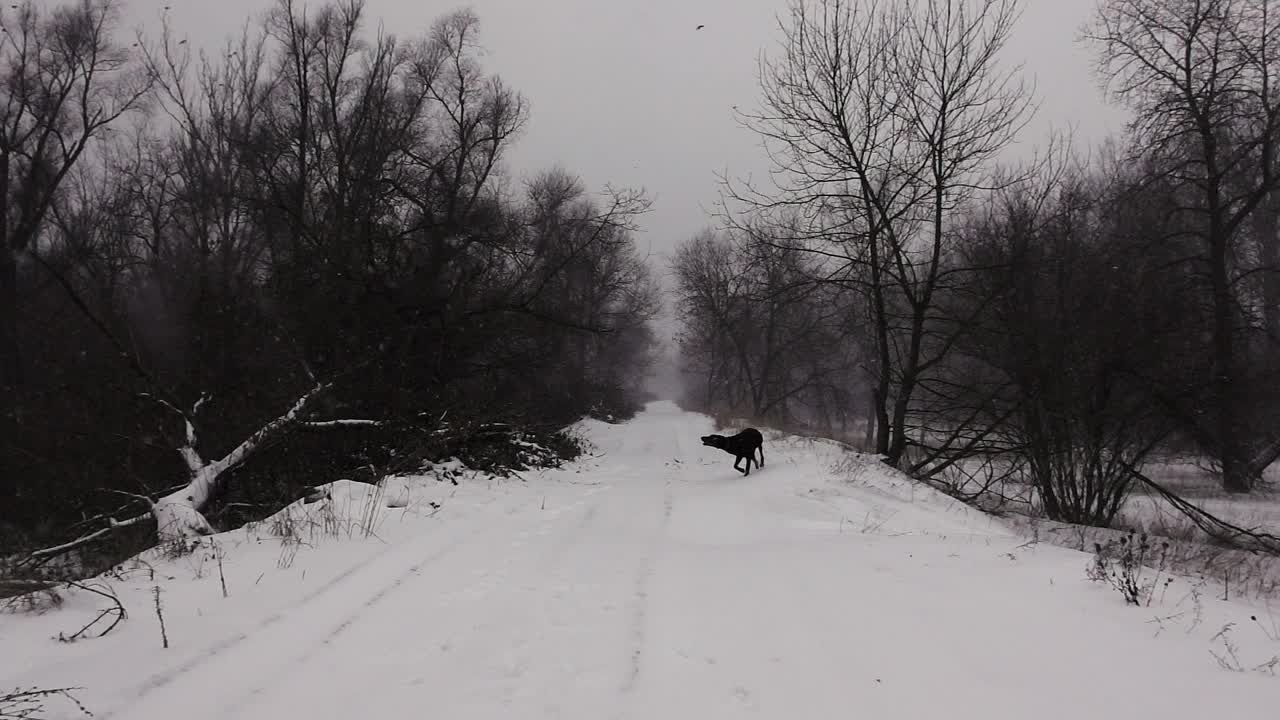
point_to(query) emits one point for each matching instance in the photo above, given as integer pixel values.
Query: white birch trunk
(178, 514)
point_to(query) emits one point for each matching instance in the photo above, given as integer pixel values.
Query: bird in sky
(699, 27)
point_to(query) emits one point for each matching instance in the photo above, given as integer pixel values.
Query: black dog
(743, 445)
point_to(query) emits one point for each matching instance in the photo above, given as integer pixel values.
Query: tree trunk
(10, 365)
(178, 514)
(1231, 450)
(881, 423)
(901, 404)
(10, 358)
(884, 359)
(1266, 227)
(873, 424)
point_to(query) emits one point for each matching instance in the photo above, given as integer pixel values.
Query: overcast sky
(628, 92)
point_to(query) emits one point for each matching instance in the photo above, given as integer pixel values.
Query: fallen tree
(1228, 534)
(493, 445)
(178, 515)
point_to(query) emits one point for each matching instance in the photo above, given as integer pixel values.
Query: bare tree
(881, 119)
(767, 336)
(568, 299)
(64, 81)
(709, 303)
(1201, 77)
(1071, 307)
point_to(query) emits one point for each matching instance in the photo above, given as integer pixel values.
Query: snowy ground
(650, 581)
(1187, 475)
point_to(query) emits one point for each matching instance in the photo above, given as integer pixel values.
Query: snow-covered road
(653, 581)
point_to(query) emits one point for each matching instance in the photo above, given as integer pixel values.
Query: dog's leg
(761, 449)
(737, 460)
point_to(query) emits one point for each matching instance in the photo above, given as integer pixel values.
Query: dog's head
(715, 441)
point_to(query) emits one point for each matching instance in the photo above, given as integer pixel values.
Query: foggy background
(630, 93)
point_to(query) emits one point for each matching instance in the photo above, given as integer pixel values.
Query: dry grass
(1239, 573)
(31, 703)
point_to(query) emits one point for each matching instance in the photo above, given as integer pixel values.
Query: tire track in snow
(488, 583)
(212, 651)
(550, 519)
(679, 472)
(542, 593)
(640, 610)
(269, 623)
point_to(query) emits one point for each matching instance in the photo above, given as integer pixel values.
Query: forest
(1056, 323)
(229, 277)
